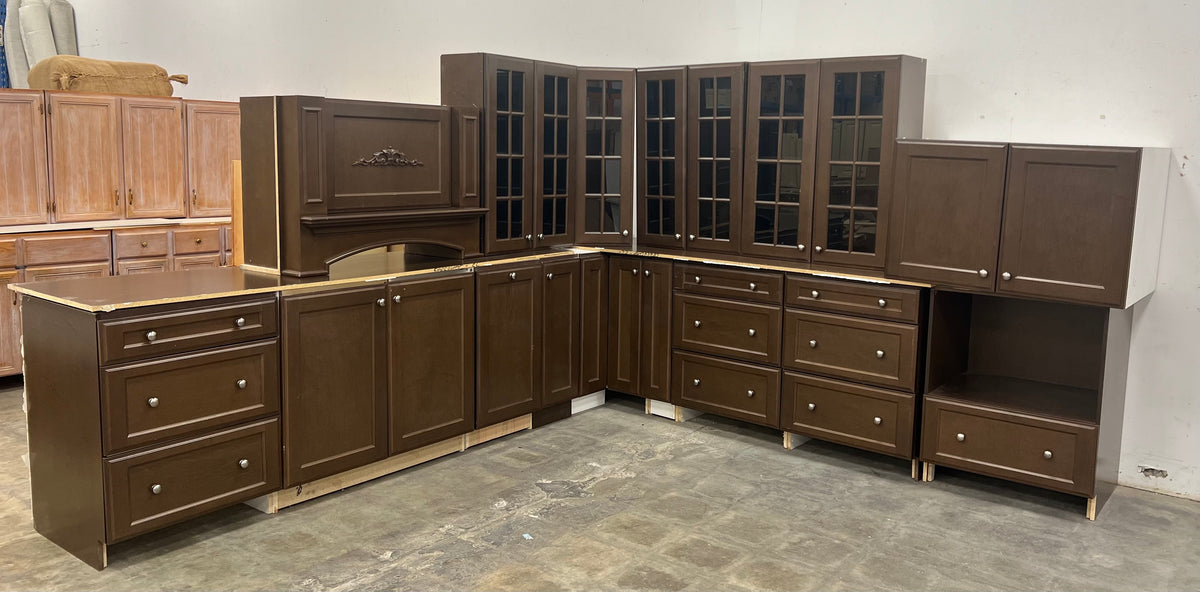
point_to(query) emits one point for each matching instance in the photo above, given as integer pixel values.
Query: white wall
(1086, 71)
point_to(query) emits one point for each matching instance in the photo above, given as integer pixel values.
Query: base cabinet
(639, 341)
(852, 414)
(509, 306)
(593, 335)
(560, 331)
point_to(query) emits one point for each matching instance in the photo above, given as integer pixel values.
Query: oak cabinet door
(10, 325)
(152, 149)
(662, 157)
(560, 331)
(605, 115)
(509, 303)
(593, 357)
(714, 156)
(654, 369)
(431, 353)
(213, 143)
(85, 157)
(625, 324)
(334, 382)
(24, 184)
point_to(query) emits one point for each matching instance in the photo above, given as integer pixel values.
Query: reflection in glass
(653, 181)
(791, 147)
(652, 98)
(724, 146)
(502, 177)
(793, 95)
(518, 92)
(548, 88)
(563, 146)
(653, 216)
(560, 216)
(764, 224)
(560, 184)
(840, 184)
(547, 216)
(770, 91)
(721, 221)
(870, 139)
(668, 98)
(594, 138)
(842, 140)
(789, 182)
(612, 176)
(668, 216)
(612, 214)
(591, 211)
(845, 91)
(706, 218)
(838, 230)
(612, 137)
(652, 138)
(547, 135)
(564, 103)
(516, 181)
(502, 90)
(871, 102)
(789, 225)
(501, 134)
(547, 176)
(765, 183)
(707, 100)
(706, 179)
(592, 176)
(768, 138)
(668, 177)
(668, 138)
(502, 219)
(517, 222)
(518, 134)
(706, 138)
(864, 231)
(724, 96)
(723, 174)
(866, 185)
(595, 98)
(612, 103)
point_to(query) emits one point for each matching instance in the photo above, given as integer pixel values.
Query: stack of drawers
(726, 339)
(189, 411)
(851, 352)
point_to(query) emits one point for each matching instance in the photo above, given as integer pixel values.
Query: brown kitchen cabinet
(662, 157)
(213, 143)
(780, 149)
(639, 334)
(66, 255)
(25, 185)
(431, 360)
(606, 109)
(593, 313)
(732, 389)
(509, 318)
(865, 105)
(152, 131)
(561, 325)
(555, 194)
(335, 382)
(86, 180)
(716, 105)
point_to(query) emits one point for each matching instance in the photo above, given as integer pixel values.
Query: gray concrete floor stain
(612, 499)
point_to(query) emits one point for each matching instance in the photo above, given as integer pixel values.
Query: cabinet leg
(916, 469)
(647, 406)
(792, 441)
(928, 473)
(1091, 509)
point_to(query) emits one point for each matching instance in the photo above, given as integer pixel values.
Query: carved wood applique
(389, 157)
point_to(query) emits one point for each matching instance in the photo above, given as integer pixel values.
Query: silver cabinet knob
(550, 276)
(961, 437)
(381, 302)
(512, 275)
(983, 273)
(678, 236)
(818, 248)
(878, 420)
(696, 323)
(750, 393)
(151, 335)
(152, 401)
(529, 237)
(635, 271)
(396, 299)
(646, 272)
(541, 236)
(244, 463)
(625, 232)
(816, 294)
(879, 354)
(241, 384)
(812, 406)
(695, 382)
(753, 286)
(156, 489)
(1047, 455)
(882, 303)
(697, 278)
(752, 332)
(691, 237)
(240, 321)
(1006, 276)
(801, 247)
(812, 343)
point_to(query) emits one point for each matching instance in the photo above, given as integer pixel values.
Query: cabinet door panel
(25, 184)
(152, 146)
(1068, 223)
(85, 157)
(625, 324)
(781, 141)
(555, 193)
(186, 262)
(10, 325)
(604, 142)
(135, 266)
(560, 332)
(43, 273)
(714, 157)
(508, 166)
(213, 143)
(432, 360)
(654, 370)
(593, 363)
(662, 157)
(334, 382)
(510, 331)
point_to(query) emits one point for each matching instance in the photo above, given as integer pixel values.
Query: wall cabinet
(555, 192)
(152, 131)
(509, 317)
(714, 155)
(335, 373)
(662, 157)
(86, 179)
(213, 143)
(639, 339)
(606, 107)
(25, 186)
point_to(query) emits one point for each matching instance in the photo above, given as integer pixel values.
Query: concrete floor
(612, 499)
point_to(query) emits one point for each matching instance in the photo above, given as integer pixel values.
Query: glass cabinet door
(781, 107)
(714, 155)
(508, 167)
(605, 141)
(554, 192)
(662, 111)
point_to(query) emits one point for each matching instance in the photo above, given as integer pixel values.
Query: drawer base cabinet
(855, 415)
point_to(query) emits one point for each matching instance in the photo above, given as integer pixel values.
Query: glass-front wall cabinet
(662, 111)
(510, 219)
(714, 155)
(780, 145)
(555, 194)
(606, 104)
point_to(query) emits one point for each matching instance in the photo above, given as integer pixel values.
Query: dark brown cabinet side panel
(593, 355)
(431, 353)
(509, 304)
(560, 331)
(655, 366)
(334, 382)
(625, 324)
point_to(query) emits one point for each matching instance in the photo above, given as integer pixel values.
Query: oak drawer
(731, 389)
(725, 282)
(738, 330)
(860, 416)
(166, 333)
(206, 239)
(145, 402)
(8, 252)
(67, 247)
(70, 271)
(192, 477)
(204, 261)
(1038, 451)
(136, 266)
(891, 303)
(862, 350)
(140, 243)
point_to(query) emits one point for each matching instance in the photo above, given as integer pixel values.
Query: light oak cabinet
(213, 143)
(153, 157)
(24, 186)
(10, 324)
(86, 180)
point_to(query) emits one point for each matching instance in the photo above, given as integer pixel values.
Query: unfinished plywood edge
(504, 428)
(235, 218)
(1091, 509)
(927, 474)
(916, 470)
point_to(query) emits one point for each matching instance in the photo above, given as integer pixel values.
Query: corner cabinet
(605, 144)
(865, 105)
(714, 155)
(662, 157)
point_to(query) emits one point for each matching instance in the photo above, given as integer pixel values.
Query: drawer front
(862, 350)
(192, 478)
(731, 389)
(8, 252)
(136, 266)
(725, 282)
(50, 249)
(70, 271)
(206, 239)
(860, 416)
(147, 401)
(892, 303)
(142, 337)
(738, 330)
(206, 261)
(1046, 453)
(140, 243)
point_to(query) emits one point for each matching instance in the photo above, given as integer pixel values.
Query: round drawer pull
(151, 335)
(678, 236)
(635, 271)
(816, 294)
(691, 237)
(697, 278)
(241, 383)
(750, 393)
(152, 401)
(646, 272)
(512, 275)
(812, 406)
(240, 321)
(752, 332)
(1047, 455)
(625, 232)
(696, 323)
(198, 241)
(983, 273)
(801, 247)
(156, 489)
(878, 421)
(818, 249)
(882, 303)
(961, 437)
(145, 244)
(381, 302)
(396, 299)
(244, 463)
(879, 354)
(812, 343)
(753, 286)
(1006, 276)
(541, 236)
(695, 382)
(549, 276)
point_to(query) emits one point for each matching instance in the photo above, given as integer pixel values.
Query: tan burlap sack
(67, 72)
